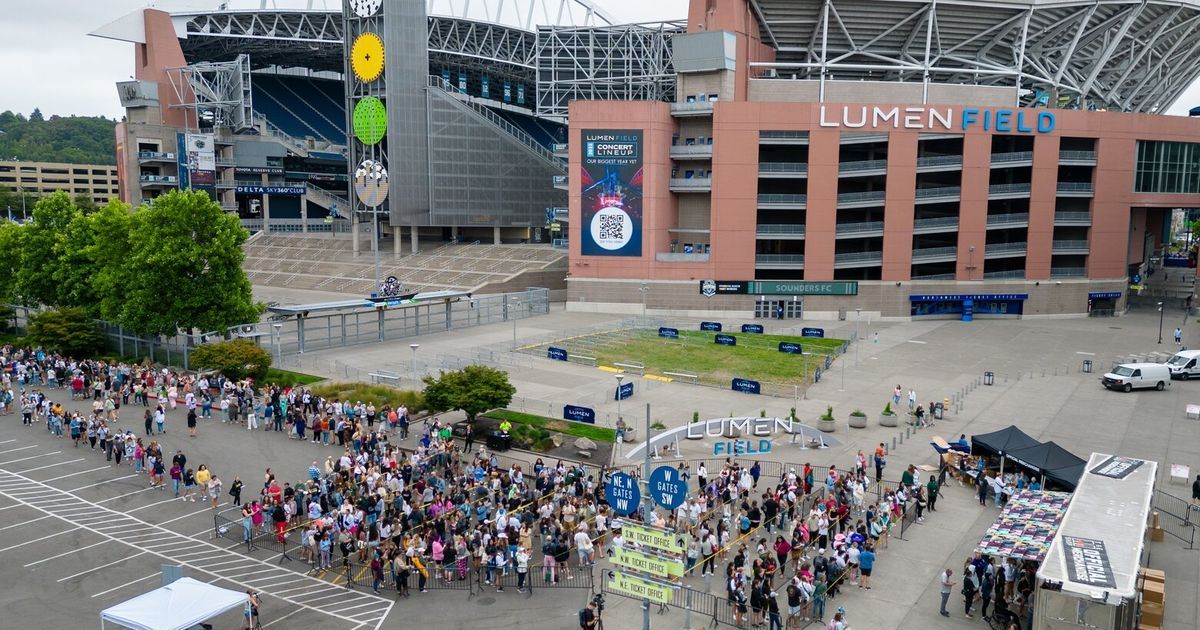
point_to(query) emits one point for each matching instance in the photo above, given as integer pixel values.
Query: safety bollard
(893, 445)
(902, 438)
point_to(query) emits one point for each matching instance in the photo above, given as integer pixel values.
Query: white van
(1185, 365)
(1130, 376)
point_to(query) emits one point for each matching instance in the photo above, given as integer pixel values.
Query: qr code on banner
(612, 227)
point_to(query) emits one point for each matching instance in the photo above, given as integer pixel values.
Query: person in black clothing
(773, 611)
(1195, 498)
(235, 491)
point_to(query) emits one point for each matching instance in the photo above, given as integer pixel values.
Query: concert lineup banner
(201, 159)
(611, 192)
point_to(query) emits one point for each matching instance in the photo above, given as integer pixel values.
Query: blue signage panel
(790, 348)
(667, 488)
(579, 414)
(625, 390)
(1008, 120)
(1105, 295)
(622, 493)
(752, 329)
(746, 386)
(558, 354)
(711, 326)
(725, 340)
(294, 191)
(669, 333)
(812, 332)
(817, 376)
(828, 361)
(978, 297)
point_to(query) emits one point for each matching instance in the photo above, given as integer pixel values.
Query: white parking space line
(343, 609)
(137, 509)
(13, 450)
(29, 542)
(82, 472)
(277, 620)
(29, 470)
(7, 441)
(238, 576)
(13, 461)
(34, 520)
(93, 485)
(117, 497)
(207, 510)
(103, 566)
(129, 583)
(66, 553)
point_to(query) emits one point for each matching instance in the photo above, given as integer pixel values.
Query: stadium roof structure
(1127, 55)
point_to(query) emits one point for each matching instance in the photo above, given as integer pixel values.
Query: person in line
(947, 586)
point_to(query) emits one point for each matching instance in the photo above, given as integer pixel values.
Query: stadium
(775, 158)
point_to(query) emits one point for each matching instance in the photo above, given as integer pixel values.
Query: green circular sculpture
(369, 120)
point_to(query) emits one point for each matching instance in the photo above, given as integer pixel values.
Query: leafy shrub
(379, 395)
(67, 330)
(236, 359)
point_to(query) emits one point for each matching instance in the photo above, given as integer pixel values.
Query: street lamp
(512, 313)
(279, 346)
(414, 347)
(620, 377)
(644, 289)
(857, 339)
(1160, 321)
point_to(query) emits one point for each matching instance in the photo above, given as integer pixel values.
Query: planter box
(889, 420)
(827, 426)
(858, 422)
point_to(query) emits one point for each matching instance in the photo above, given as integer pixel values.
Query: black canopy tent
(1000, 442)
(1051, 461)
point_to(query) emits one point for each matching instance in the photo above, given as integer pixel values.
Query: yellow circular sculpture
(366, 57)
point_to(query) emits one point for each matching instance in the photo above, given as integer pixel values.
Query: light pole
(414, 347)
(857, 339)
(620, 378)
(512, 313)
(1160, 321)
(644, 289)
(279, 346)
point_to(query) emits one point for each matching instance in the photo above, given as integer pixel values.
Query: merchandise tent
(998, 443)
(1051, 461)
(179, 605)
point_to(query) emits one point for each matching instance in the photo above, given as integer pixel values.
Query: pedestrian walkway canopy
(179, 605)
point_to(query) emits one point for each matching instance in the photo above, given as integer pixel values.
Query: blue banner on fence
(828, 361)
(790, 348)
(625, 390)
(669, 333)
(746, 386)
(817, 376)
(752, 329)
(579, 414)
(812, 332)
(711, 326)
(558, 354)
(725, 340)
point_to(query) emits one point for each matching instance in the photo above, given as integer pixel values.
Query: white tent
(176, 606)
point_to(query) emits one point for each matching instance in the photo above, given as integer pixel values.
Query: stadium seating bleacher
(301, 106)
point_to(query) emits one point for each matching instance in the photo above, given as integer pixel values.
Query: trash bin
(989, 378)
(937, 411)
(498, 441)
(1087, 366)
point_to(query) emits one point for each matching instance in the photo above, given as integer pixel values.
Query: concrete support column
(304, 213)
(900, 207)
(354, 232)
(454, 233)
(1039, 237)
(973, 206)
(396, 241)
(413, 238)
(266, 208)
(496, 235)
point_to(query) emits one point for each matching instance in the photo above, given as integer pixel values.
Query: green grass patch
(287, 377)
(755, 357)
(566, 427)
(380, 395)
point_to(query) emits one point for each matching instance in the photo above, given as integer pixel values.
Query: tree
(36, 115)
(10, 249)
(183, 268)
(41, 246)
(473, 390)
(109, 247)
(67, 330)
(74, 139)
(236, 359)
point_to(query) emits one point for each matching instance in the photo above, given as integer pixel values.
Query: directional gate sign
(622, 493)
(667, 488)
(654, 538)
(640, 588)
(647, 563)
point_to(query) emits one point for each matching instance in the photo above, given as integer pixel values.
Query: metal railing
(783, 167)
(158, 179)
(1073, 216)
(782, 199)
(693, 106)
(1177, 517)
(691, 183)
(1072, 245)
(691, 150)
(156, 155)
(783, 135)
(1067, 187)
(866, 195)
(781, 229)
(934, 252)
(1008, 219)
(1000, 275)
(1082, 156)
(941, 191)
(1008, 189)
(857, 257)
(940, 160)
(289, 226)
(935, 276)
(1015, 156)
(486, 113)
(1068, 272)
(1000, 248)
(775, 259)
(859, 227)
(935, 222)
(863, 165)
(326, 198)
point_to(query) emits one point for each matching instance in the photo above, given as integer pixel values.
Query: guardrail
(934, 252)
(935, 222)
(1072, 217)
(1080, 156)
(779, 258)
(1015, 156)
(940, 191)
(859, 227)
(940, 160)
(999, 275)
(782, 167)
(1068, 272)
(862, 165)
(780, 228)
(854, 257)
(1009, 218)
(691, 150)
(1067, 187)
(1072, 245)
(782, 199)
(1003, 248)
(866, 195)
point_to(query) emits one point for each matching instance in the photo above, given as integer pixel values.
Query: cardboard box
(1152, 614)
(1153, 575)
(1153, 592)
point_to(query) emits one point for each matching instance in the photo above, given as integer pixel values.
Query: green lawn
(574, 429)
(286, 377)
(755, 357)
(380, 395)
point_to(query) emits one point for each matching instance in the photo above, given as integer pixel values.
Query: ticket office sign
(646, 563)
(640, 588)
(653, 538)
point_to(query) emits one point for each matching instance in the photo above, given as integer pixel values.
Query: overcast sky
(47, 59)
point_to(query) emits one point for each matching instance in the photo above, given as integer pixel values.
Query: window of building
(29, 180)
(8, 179)
(79, 171)
(1167, 167)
